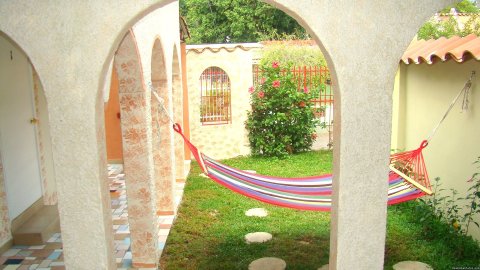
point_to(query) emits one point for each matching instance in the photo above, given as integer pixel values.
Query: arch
(162, 133)
(120, 35)
(20, 169)
(177, 96)
(137, 153)
(215, 96)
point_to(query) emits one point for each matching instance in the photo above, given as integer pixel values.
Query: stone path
(258, 237)
(268, 263)
(412, 265)
(256, 212)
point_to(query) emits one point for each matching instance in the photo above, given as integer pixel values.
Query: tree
(465, 6)
(222, 21)
(437, 27)
(292, 53)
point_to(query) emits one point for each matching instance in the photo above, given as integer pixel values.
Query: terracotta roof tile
(457, 48)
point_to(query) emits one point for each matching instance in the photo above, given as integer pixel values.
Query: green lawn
(211, 224)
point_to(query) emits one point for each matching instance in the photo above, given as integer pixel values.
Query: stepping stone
(268, 263)
(250, 171)
(258, 237)
(412, 265)
(325, 267)
(256, 212)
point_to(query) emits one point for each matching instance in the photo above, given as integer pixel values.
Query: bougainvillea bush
(281, 119)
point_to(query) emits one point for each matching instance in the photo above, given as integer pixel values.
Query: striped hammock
(408, 180)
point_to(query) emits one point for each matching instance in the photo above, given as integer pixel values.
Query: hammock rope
(466, 91)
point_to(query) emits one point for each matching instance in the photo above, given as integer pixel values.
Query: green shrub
(440, 218)
(281, 120)
(436, 28)
(472, 200)
(291, 53)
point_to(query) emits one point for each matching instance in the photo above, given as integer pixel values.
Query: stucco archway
(364, 46)
(27, 177)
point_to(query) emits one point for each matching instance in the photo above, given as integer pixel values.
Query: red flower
(276, 84)
(314, 136)
(301, 104)
(251, 89)
(261, 94)
(262, 80)
(275, 64)
(305, 90)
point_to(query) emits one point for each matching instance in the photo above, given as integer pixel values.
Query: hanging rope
(466, 91)
(162, 105)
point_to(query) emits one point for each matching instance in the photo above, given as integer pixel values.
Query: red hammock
(408, 180)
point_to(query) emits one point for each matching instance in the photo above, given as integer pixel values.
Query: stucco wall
(222, 140)
(18, 134)
(425, 92)
(44, 142)
(5, 225)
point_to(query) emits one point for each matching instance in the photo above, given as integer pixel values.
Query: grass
(211, 224)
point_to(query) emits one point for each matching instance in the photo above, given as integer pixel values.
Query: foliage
(472, 26)
(281, 120)
(465, 6)
(431, 241)
(437, 27)
(284, 52)
(437, 210)
(222, 21)
(473, 200)
(446, 209)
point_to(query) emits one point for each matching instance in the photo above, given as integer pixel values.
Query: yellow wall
(424, 93)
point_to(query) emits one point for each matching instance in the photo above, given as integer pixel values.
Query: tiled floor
(50, 255)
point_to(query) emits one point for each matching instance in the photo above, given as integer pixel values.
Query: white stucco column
(363, 42)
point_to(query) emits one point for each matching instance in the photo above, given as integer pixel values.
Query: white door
(17, 134)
